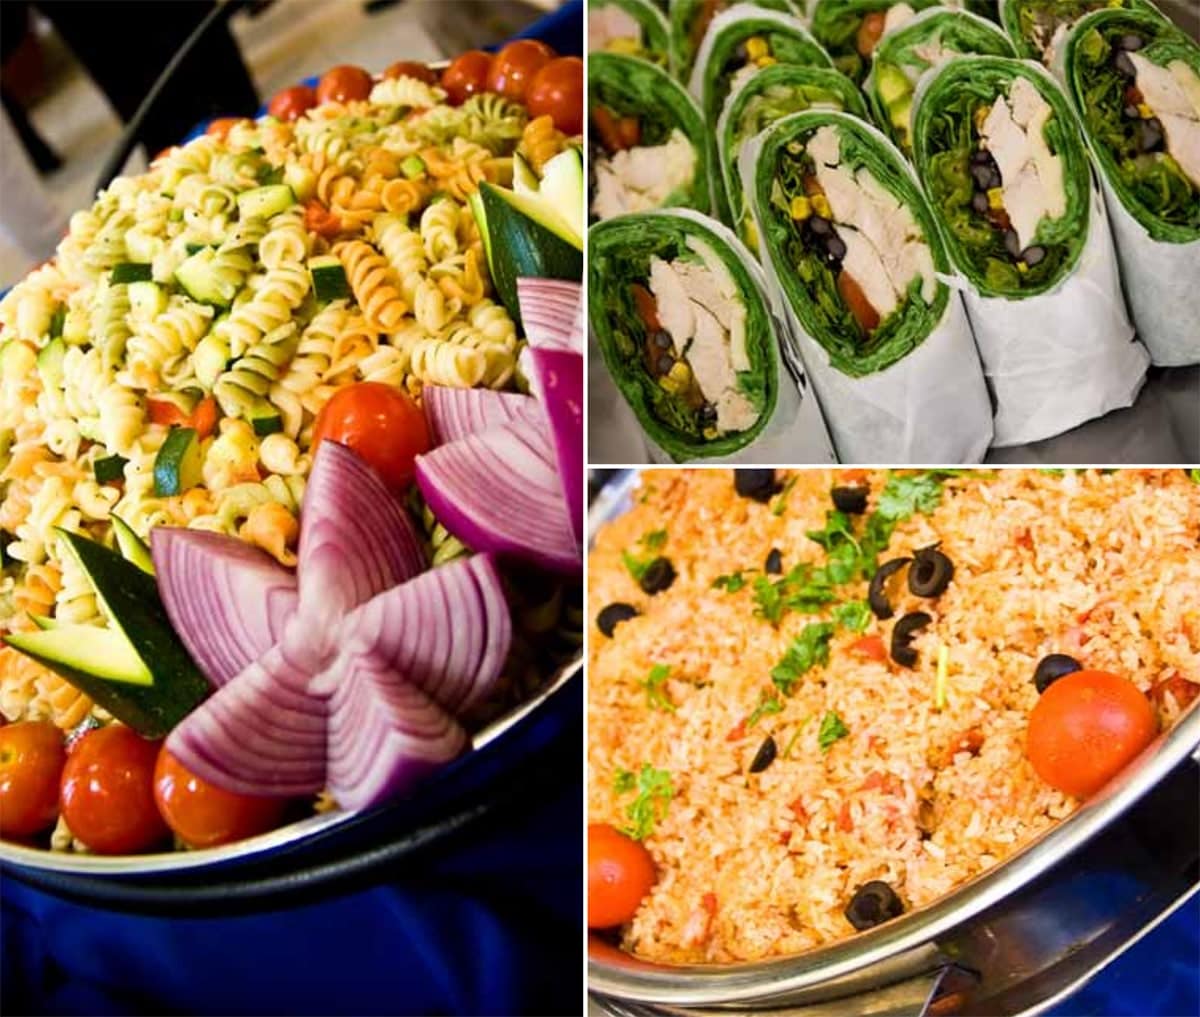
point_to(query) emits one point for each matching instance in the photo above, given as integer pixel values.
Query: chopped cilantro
(808, 649)
(656, 697)
(623, 780)
(730, 583)
(904, 495)
(768, 703)
(781, 502)
(654, 796)
(637, 566)
(838, 530)
(795, 735)
(804, 589)
(832, 729)
(654, 540)
(854, 615)
(1195, 476)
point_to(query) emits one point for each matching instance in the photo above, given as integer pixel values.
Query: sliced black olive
(765, 755)
(1033, 255)
(1150, 135)
(1130, 43)
(877, 592)
(836, 247)
(664, 363)
(820, 225)
(1053, 667)
(873, 904)
(612, 616)
(1124, 65)
(662, 339)
(773, 566)
(930, 573)
(979, 202)
(756, 484)
(902, 636)
(659, 576)
(1012, 243)
(851, 500)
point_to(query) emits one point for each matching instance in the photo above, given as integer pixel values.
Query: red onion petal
(454, 413)
(356, 540)
(550, 309)
(557, 378)
(500, 491)
(227, 600)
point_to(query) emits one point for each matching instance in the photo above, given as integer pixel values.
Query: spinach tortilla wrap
(690, 20)
(678, 309)
(1000, 155)
(852, 248)
(929, 40)
(1135, 84)
(648, 146)
(851, 29)
(1038, 27)
(631, 27)
(769, 95)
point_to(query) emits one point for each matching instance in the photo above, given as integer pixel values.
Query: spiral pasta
(373, 283)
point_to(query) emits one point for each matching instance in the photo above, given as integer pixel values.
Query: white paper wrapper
(796, 432)
(931, 407)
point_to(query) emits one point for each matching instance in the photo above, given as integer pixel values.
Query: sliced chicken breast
(864, 265)
(641, 179)
(1161, 89)
(675, 310)
(1183, 143)
(606, 24)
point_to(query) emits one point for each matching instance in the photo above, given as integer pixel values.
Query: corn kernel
(668, 384)
(680, 373)
(981, 115)
(1022, 267)
(750, 235)
(756, 47)
(625, 44)
(766, 61)
(801, 208)
(820, 205)
(1144, 111)
(711, 433)
(995, 198)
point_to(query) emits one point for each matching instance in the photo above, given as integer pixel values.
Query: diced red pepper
(647, 307)
(870, 647)
(737, 732)
(844, 822)
(320, 220)
(799, 811)
(165, 412)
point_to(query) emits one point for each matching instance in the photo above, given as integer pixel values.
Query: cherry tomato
(515, 65)
(557, 91)
(869, 32)
(31, 762)
(108, 791)
(204, 815)
(620, 874)
(647, 307)
(1085, 728)
(466, 76)
(220, 127)
(608, 127)
(411, 69)
(379, 422)
(318, 219)
(292, 103)
(857, 302)
(344, 83)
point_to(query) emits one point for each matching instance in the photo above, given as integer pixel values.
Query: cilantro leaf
(623, 781)
(808, 649)
(768, 704)
(904, 495)
(653, 798)
(1195, 476)
(832, 730)
(656, 696)
(854, 615)
(654, 540)
(637, 566)
(781, 502)
(730, 583)
(838, 529)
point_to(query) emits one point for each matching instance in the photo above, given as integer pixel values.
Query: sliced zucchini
(110, 469)
(57, 320)
(525, 181)
(265, 202)
(199, 280)
(413, 167)
(177, 467)
(50, 362)
(86, 650)
(133, 549)
(130, 272)
(147, 300)
(265, 419)
(328, 279)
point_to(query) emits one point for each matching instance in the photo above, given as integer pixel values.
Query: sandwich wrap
(679, 312)
(855, 262)
(1148, 158)
(632, 27)
(690, 20)
(1038, 28)
(851, 29)
(1000, 155)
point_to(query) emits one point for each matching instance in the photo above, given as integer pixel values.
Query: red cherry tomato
(1085, 728)
(620, 874)
(557, 90)
(344, 83)
(466, 76)
(514, 67)
(292, 103)
(220, 127)
(31, 761)
(379, 422)
(108, 791)
(204, 815)
(411, 69)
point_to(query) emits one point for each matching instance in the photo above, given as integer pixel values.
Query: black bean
(903, 633)
(877, 595)
(930, 573)
(708, 414)
(851, 500)
(765, 755)
(664, 363)
(981, 157)
(1132, 112)
(979, 202)
(773, 566)
(659, 576)
(981, 173)
(1130, 43)
(1012, 243)
(1053, 667)
(1034, 255)
(1150, 135)
(612, 616)
(836, 247)
(873, 904)
(662, 339)
(995, 180)
(756, 484)
(1124, 66)
(820, 225)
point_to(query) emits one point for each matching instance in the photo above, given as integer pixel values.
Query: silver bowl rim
(707, 984)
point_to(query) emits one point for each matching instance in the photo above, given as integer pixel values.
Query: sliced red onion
(550, 309)
(557, 378)
(448, 631)
(385, 734)
(228, 601)
(500, 491)
(264, 732)
(356, 540)
(454, 413)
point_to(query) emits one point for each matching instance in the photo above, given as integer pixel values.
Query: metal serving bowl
(1013, 940)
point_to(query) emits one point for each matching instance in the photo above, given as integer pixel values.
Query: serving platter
(1013, 940)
